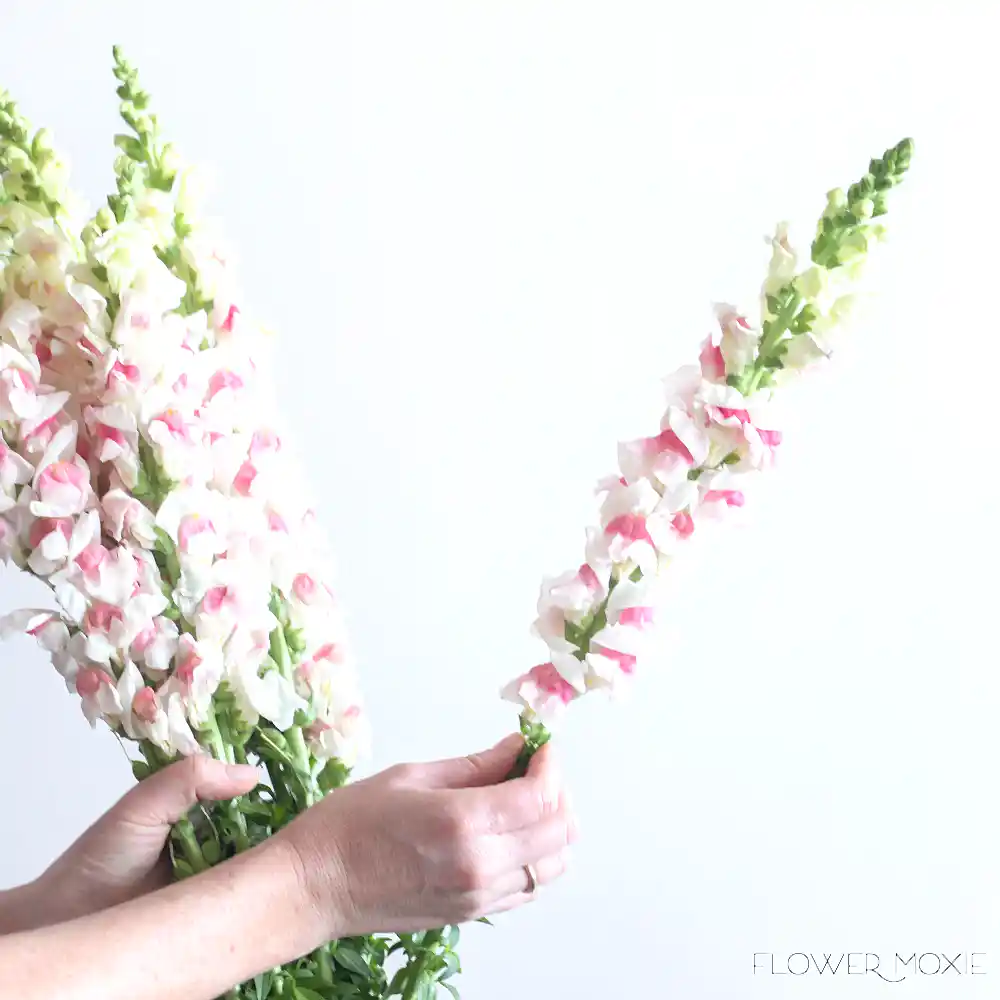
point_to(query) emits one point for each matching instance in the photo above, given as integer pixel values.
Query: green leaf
(165, 555)
(140, 770)
(211, 852)
(262, 984)
(452, 966)
(452, 990)
(398, 982)
(450, 936)
(311, 982)
(351, 960)
(130, 146)
(303, 993)
(182, 869)
(484, 920)
(426, 990)
(334, 775)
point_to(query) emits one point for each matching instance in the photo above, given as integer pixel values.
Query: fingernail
(242, 772)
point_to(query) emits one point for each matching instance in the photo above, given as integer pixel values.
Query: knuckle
(456, 825)
(471, 876)
(195, 769)
(472, 906)
(478, 764)
(404, 775)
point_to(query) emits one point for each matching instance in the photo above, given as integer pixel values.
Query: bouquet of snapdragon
(144, 479)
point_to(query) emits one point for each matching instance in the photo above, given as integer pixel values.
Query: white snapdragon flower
(154, 210)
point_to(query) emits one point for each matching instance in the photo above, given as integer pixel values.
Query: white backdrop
(470, 221)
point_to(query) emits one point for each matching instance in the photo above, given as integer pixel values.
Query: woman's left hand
(123, 854)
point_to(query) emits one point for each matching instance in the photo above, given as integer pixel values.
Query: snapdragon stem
(325, 963)
(430, 941)
(296, 740)
(189, 844)
(222, 749)
(775, 329)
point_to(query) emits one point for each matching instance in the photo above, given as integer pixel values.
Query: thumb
(489, 767)
(165, 797)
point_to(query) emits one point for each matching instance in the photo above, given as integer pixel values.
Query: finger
(512, 890)
(532, 843)
(486, 768)
(165, 797)
(516, 804)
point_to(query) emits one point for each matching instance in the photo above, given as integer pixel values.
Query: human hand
(123, 855)
(420, 845)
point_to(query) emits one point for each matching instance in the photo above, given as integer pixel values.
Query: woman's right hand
(421, 845)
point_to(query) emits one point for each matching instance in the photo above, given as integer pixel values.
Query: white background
(485, 230)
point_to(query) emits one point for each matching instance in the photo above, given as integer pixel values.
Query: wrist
(313, 887)
(322, 886)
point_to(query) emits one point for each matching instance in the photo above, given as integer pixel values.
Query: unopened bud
(811, 282)
(43, 140)
(865, 208)
(170, 160)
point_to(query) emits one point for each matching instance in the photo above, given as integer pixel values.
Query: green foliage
(152, 482)
(165, 557)
(25, 160)
(843, 234)
(866, 199)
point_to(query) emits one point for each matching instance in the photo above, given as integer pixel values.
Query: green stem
(774, 330)
(222, 749)
(536, 735)
(325, 964)
(190, 846)
(296, 740)
(431, 940)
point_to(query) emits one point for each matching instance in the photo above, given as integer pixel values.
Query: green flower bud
(811, 283)
(42, 142)
(864, 208)
(854, 245)
(170, 160)
(18, 161)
